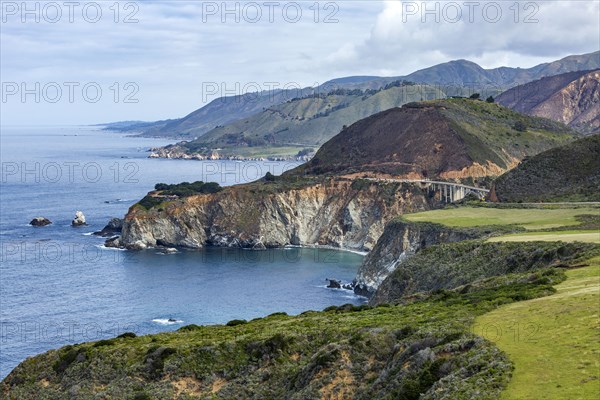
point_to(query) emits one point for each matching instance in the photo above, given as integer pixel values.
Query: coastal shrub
(127, 335)
(520, 126)
(269, 348)
(66, 358)
(278, 314)
(189, 328)
(150, 201)
(104, 342)
(184, 189)
(155, 359)
(269, 177)
(236, 322)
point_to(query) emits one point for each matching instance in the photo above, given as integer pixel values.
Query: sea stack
(79, 219)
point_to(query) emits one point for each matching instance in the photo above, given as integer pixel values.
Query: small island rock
(334, 284)
(79, 219)
(113, 242)
(40, 221)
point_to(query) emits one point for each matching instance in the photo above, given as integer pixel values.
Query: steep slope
(567, 173)
(263, 214)
(304, 122)
(572, 98)
(444, 139)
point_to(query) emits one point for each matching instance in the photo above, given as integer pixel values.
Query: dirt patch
(187, 385)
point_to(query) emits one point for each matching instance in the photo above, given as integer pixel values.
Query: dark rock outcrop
(40, 221)
(333, 284)
(114, 227)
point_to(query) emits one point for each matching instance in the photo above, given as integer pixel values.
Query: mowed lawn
(529, 218)
(553, 341)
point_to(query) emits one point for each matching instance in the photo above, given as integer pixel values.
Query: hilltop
(445, 139)
(302, 122)
(567, 173)
(572, 98)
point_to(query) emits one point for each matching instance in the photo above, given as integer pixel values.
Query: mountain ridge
(452, 74)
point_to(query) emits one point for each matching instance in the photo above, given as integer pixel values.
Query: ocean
(58, 285)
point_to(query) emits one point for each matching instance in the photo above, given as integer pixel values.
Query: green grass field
(586, 236)
(553, 341)
(529, 218)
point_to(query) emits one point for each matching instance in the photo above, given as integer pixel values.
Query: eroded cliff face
(399, 241)
(336, 212)
(576, 104)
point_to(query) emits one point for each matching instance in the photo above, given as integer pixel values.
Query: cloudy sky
(91, 62)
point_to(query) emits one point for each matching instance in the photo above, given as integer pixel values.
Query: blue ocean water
(58, 285)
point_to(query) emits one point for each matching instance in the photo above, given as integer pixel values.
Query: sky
(85, 62)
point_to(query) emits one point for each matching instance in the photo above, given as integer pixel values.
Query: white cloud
(170, 52)
(414, 34)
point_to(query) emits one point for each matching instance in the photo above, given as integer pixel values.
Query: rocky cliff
(331, 212)
(401, 240)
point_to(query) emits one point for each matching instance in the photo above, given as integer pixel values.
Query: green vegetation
(188, 189)
(528, 218)
(592, 236)
(488, 129)
(167, 193)
(553, 341)
(288, 128)
(566, 173)
(149, 202)
(269, 177)
(451, 265)
(420, 350)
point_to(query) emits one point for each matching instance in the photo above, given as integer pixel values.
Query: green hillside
(309, 121)
(567, 173)
(453, 138)
(422, 349)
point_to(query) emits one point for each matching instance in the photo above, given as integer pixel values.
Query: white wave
(103, 247)
(167, 321)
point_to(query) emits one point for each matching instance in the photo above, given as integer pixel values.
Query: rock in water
(333, 284)
(113, 242)
(40, 221)
(79, 219)
(114, 227)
